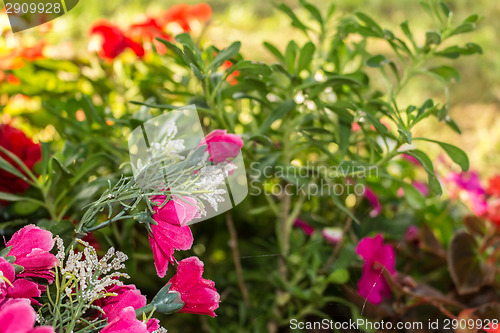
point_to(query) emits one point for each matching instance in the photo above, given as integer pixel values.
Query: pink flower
(411, 233)
(373, 199)
(306, 228)
(176, 211)
(421, 187)
(222, 146)
(164, 239)
(17, 316)
(126, 322)
(198, 294)
(127, 295)
(377, 257)
(10, 287)
(332, 235)
(171, 233)
(31, 246)
(467, 186)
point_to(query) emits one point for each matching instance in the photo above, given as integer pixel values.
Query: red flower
(126, 321)
(231, 78)
(493, 213)
(198, 294)
(29, 152)
(112, 41)
(148, 31)
(184, 15)
(494, 186)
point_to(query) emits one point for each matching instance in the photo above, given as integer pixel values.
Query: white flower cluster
(169, 147)
(87, 275)
(161, 330)
(210, 179)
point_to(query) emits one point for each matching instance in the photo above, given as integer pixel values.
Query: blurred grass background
(475, 99)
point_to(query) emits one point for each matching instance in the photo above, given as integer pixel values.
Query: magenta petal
(198, 294)
(7, 270)
(125, 297)
(176, 211)
(373, 199)
(306, 228)
(17, 316)
(166, 238)
(31, 246)
(125, 322)
(378, 257)
(373, 286)
(153, 325)
(22, 288)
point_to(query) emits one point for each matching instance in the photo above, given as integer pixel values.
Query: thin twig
(233, 244)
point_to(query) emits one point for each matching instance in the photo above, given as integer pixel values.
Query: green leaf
(406, 30)
(197, 72)
(313, 10)
(172, 47)
(5, 165)
(457, 51)
(295, 20)
(306, 56)
(225, 54)
(290, 55)
(370, 23)
(468, 271)
(456, 154)
(405, 134)
(250, 67)
(463, 28)
(12, 197)
(432, 37)
(274, 50)
(377, 61)
(426, 163)
(262, 139)
(445, 9)
(447, 73)
(281, 111)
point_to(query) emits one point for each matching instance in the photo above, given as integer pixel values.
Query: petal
(17, 316)
(29, 238)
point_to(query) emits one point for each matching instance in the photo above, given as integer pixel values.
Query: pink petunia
(31, 246)
(17, 316)
(198, 294)
(222, 146)
(377, 257)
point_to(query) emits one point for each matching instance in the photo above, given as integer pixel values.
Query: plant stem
(233, 244)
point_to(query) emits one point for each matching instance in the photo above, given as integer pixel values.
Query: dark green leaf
(463, 28)
(447, 73)
(295, 20)
(456, 154)
(290, 55)
(225, 54)
(432, 37)
(377, 61)
(271, 48)
(445, 9)
(426, 163)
